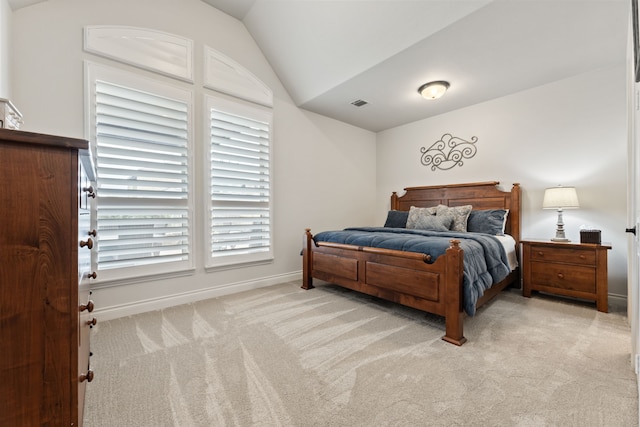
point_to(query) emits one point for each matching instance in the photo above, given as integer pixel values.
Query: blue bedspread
(485, 260)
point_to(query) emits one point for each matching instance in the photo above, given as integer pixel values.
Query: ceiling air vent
(359, 103)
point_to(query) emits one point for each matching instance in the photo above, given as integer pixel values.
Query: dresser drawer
(569, 277)
(573, 256)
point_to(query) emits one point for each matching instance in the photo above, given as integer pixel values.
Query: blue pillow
(490, 221)
(397, 219)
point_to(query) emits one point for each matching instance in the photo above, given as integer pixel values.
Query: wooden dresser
(44, 340)
(571, 269)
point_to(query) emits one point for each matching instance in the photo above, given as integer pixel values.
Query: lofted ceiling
(330, 53)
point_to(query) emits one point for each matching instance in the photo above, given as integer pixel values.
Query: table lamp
(560, 198)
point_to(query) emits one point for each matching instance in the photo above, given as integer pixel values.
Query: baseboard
(142, 306)
(617, 300)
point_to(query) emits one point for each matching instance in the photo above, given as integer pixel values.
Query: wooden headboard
(480, 195)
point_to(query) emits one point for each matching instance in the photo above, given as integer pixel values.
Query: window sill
(139, 279)
(234, 266)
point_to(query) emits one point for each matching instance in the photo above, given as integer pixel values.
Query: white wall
(5, 49)
(571, 132)
(320, 165)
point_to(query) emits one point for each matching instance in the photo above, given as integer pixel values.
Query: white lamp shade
(560, 198)
(433, 90)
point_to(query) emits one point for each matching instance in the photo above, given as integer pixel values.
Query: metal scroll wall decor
(448, 152)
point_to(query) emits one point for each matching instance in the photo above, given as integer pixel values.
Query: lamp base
(560, 236)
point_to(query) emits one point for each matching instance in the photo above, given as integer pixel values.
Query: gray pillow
(397, 219)
(415, 213)
(460, 215)
(490, 221)
(424, 219)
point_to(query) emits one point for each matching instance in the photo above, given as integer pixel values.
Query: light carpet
(282, 356)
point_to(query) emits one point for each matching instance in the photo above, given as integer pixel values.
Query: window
(239, 167)
(141, 140)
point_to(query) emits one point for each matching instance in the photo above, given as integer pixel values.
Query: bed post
(515, 215)
(394, 201)
(453, 295)
(307, 279)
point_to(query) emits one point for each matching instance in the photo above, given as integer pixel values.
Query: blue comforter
(485, 260)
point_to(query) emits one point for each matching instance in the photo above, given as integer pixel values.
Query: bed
(435, 281)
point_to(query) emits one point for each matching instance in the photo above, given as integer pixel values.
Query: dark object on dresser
(590, 236)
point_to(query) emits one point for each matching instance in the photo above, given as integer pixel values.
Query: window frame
(138, 81)
(256, 112)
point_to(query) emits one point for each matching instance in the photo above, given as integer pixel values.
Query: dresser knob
(88, 377)
(92, 275)
(92, 233)
(88, 306)
(88, 243)
(92, 322)
(583, 257)
(560, 276)
(540, 253)
(90, 191)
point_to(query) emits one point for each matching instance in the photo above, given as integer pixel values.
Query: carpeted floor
(282, 356)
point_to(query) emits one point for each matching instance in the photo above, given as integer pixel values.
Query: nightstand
(570, 269)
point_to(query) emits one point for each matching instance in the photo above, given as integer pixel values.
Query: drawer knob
(90, 191)
(560, 276)
(92, 322)
(88, 306)
(92, 233)
(583, 257)
(540, 253)
(88, 377)
(88, 243)
(92, 275)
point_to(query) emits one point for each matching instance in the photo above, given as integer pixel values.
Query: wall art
(448, 152)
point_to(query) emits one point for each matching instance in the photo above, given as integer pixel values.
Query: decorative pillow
(416, 213)
(460, 215)
(397, 219)
(490, 221)
(424, 219)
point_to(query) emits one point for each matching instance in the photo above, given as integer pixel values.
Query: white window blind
(240, 183)
(143, 178)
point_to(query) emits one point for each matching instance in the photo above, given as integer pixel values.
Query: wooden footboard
(403, 277)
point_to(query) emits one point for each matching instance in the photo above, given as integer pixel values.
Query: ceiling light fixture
(433, 90)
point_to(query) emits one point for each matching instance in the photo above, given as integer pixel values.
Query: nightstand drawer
(574, 256)
(570, 277)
